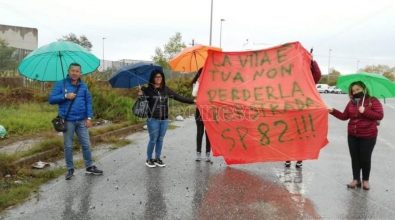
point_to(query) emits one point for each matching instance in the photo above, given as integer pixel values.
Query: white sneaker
(198, 156)
(208, 159)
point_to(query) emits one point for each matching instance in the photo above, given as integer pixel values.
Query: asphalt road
(186, 189)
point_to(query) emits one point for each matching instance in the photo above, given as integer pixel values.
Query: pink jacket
(362, 125)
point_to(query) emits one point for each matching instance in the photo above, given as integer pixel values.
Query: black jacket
(158, 99)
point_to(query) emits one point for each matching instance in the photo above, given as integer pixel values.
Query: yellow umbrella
(191, 59)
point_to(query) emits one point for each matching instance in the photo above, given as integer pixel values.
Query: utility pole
(103, 53)
(220, 33)
(211, 22)
(329, 63)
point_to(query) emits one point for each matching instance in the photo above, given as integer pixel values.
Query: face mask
(358, 95)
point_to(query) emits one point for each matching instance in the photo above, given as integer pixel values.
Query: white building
(24, 39)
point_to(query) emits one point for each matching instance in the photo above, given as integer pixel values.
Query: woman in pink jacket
(363, 112)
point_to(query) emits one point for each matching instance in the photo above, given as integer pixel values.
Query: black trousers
(361, 153)
(200, 132)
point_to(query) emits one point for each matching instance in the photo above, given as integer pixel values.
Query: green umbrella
(379, 86)
(50, 62)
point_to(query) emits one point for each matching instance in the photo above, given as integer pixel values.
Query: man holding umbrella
(75, 106)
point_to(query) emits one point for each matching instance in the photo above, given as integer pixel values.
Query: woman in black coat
(157, 94)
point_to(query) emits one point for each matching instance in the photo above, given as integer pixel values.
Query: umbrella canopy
(378, 85)
(132, 75)
(191, 59)
(50, 62)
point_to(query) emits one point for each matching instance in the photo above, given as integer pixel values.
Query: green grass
(172, 126)
(111, 127)
(78, 164)
(117, 142)
(6, 161)
(47, 144)
(27, 118)
(12, 193)
(6, 165)
(185, 110)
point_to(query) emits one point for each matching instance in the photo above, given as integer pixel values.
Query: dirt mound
(17, 95)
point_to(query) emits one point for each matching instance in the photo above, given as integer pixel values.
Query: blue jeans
(83, 137)
(157, 130)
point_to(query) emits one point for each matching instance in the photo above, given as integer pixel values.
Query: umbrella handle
(194, 54)
(140, 90)
(61, 66)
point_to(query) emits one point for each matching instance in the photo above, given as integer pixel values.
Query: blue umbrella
(133, 75)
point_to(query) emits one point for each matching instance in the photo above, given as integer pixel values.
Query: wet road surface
(186, 189)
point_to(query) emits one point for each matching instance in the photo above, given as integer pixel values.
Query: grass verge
(27, 118)
(16, 189)
(116, 142)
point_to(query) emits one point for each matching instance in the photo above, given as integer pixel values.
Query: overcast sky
(358, 32)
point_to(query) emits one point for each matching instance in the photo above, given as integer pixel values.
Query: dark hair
(74, 64)
(358, 83)
(152, 78)
(196, 77)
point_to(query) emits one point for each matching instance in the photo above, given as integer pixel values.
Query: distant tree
(82, 40)
(174, 46)
(390, 75)
(171, 48)
(385, 70)
(333, 75)
(7, 59)
(331, 78)
(104, 75)
(160, 58)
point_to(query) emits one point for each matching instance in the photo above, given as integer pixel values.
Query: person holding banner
(157, 94)
(200, 124)
(363, 111)
(316, 73)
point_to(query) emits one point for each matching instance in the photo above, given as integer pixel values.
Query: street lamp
(329, 62)
(211, 22)
(103, 53)
(220, 33)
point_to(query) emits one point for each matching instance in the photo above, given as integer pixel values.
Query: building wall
(115, 65)
(20, 37)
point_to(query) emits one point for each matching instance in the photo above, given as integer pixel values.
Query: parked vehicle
(335, 90)
(322, 88)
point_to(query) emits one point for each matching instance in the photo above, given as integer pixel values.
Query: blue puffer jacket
(82, 106)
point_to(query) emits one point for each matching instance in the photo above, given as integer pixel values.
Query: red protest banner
(262, 105)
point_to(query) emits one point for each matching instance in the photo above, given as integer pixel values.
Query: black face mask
(358, 95)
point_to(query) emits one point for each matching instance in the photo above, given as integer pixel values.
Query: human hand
(88, 123)
(361, 109)
(330, 110)
(70, 96)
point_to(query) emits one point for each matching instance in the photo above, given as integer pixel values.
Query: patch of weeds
(172, 126)
(45, 145)
(18, 188)
(116, 142)
(111, 127)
